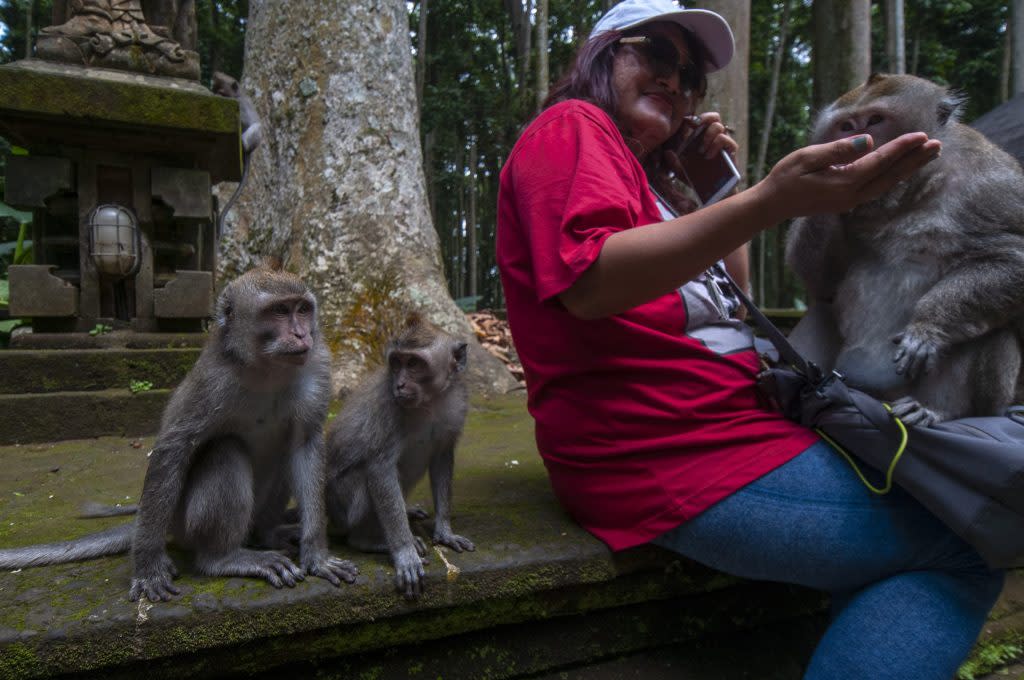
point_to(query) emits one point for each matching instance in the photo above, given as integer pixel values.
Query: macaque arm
(161, 493)
(389, 504)
(308, 475)
(442, 469)
(441, 473)
(979, 295)
(968, 302)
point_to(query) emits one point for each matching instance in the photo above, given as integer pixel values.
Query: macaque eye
(875, 119)
(280, 309)
(305, 307)
(847, 126)
(415, 363)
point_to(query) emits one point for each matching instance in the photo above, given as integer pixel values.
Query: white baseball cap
(710, 28)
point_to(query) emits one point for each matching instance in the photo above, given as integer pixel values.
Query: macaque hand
(917, 352)
(453, 541)
(333, 569)
(155, 582)
(409, 572)
(913, 413)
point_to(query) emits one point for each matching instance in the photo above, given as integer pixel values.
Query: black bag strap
(787, 352)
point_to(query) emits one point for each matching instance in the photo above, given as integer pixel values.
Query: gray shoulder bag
(968, 472)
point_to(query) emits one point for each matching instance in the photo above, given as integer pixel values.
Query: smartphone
(711, 179)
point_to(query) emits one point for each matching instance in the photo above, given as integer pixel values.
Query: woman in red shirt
(640, 376)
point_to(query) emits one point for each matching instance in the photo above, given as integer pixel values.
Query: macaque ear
(460, 355)
(949, 108)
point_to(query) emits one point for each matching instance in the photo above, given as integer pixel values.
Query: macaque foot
(916, 353)
(333, 569)
(454, 541)
(155, 582)
(273, 567)
(914, 414)
(283, 537)
(415, 512)
(409, 572)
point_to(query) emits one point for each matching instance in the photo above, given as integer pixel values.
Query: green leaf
(20, 215)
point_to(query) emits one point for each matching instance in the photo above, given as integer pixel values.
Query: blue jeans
(908, 597)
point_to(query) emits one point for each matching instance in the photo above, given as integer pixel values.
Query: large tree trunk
(1017, 41)
(895, 42)
(842, 47)
(542, 52)
(727, 89)
(762, 149)
(336, 190)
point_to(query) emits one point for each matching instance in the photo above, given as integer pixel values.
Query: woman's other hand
(836, 177)
(716, 137)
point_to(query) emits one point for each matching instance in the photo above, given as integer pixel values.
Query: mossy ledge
(538, 593)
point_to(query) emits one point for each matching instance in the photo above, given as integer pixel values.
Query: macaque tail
(92, 509)
(110, 542)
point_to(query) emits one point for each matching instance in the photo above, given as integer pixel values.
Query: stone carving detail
(115, 34)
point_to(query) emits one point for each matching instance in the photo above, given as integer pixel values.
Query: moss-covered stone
(532, 564)
(30, 371)
(61, 91)
(28, 418)
(538, 593)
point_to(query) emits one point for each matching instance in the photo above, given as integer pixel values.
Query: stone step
(538, 596)
(538, 593)
(28, 371)
(54, 416)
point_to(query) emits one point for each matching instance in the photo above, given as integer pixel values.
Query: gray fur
(917, 296)
(252, 134)
(240, 435)
(378, 449)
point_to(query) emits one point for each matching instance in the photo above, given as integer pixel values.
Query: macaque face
(886, 107)
(412, 377)
(285, 329)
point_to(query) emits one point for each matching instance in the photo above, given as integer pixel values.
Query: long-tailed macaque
(917, 296)
(252, 133)
(403, 420)
(240, 436)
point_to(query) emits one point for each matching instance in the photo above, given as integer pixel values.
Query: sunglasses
(664, 58)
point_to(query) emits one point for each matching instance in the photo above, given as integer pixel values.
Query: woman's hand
(836, 177)
(716, 137)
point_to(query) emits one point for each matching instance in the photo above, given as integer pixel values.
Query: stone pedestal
(152, 145)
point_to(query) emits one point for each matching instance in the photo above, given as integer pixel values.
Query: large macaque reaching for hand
(240, 435)
(404, 420)
(916, 296)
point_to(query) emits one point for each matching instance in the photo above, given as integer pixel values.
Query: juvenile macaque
(403, 420)
(916, 297)
(240, 436)
(252, 133)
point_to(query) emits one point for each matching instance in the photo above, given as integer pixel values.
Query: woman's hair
(590, 79)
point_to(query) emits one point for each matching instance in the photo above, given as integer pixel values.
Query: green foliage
(13, 20)
(100, 329)
(136, 386)
(989, 656)
(221, 36)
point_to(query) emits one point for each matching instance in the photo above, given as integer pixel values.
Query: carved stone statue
(116, 34)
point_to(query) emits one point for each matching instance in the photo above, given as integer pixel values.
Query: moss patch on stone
(117, 98)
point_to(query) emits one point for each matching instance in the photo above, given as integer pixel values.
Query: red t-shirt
(645, 418)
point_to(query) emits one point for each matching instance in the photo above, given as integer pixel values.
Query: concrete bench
(538, 594)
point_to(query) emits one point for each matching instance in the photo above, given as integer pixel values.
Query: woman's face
(651, 100)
